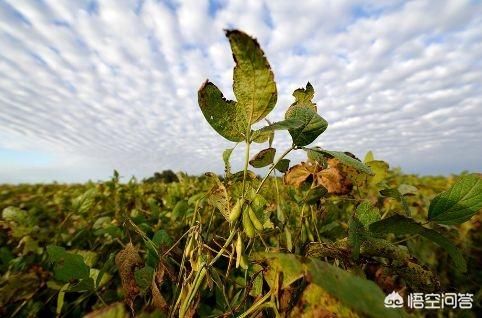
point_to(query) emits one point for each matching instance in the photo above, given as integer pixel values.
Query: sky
(91, 86)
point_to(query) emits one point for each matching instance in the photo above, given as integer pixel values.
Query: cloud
(113, 84)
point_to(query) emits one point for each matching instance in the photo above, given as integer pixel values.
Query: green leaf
(282, 165)
(283, 125)
(260, 136)
(401, 225)
(83, 203)
(263, 158)
(304, 111)
(355, 292)
(225, 116)
(71, 266)
(143, 277)
(316, 156)
(394, 193)
(448, 246)
(356, 233)
(180, 209)
(254, 85)
(161, 239)
(346, 160)
(459, 203)
(55, 253)
(396, 224)
(367, 214)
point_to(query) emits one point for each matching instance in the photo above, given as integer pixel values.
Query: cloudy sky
(89, 86)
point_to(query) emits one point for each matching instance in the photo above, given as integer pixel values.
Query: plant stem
(246, 160)
(273, 166)
(256, 305)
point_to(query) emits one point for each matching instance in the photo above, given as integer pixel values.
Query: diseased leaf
(282, 165)
(225, 116)
(226, 156)
(218, 196)
(263, 158)
(334, 178)
(254, 85)
(459, 203)
(407, 189)
(304, 96)
(297, 174)
(401, 225)
(346, 160)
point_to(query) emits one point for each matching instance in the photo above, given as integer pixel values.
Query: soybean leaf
(401, 225)
(254, 85)
(448, 246)
(368, 157)
(67, 266)
(218, 196)
(225, 116)
(143, 277)
(355, 292)
(83, 203)
(304, 96)
(367, 214)
(282, 165)
(226, 156)
(356, 233)
(283, 125)
(316, 156)
(346, 160)
(407, 189)
(379, 169)
(394, 193)
(313, 125)
(315, 194)
(263, 158)
(459, 203)
(260, 136)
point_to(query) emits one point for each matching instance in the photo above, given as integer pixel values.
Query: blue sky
(91, 86)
